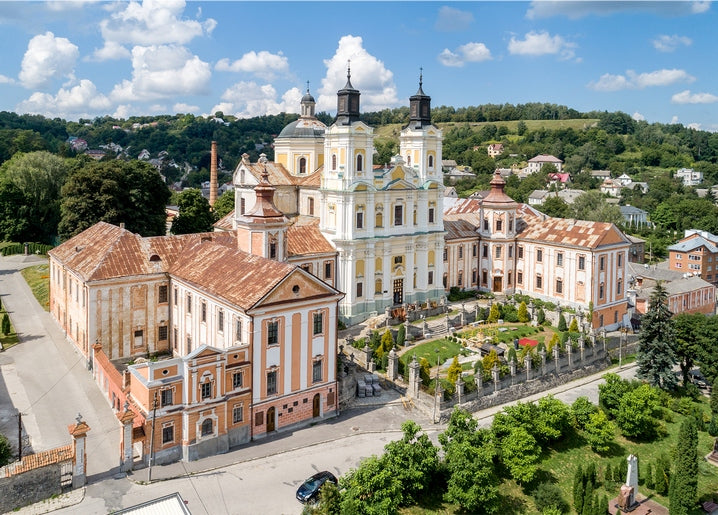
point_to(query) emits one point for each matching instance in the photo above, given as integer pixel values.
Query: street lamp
(436, 383)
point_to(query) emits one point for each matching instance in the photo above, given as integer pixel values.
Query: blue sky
(71, 59)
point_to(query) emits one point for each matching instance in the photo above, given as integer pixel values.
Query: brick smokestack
(213, 175)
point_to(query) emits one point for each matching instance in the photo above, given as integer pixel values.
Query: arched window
(408, 159)
(431, 162)
(207, 427)
(360, 163)
(334, 161)
(302, 165)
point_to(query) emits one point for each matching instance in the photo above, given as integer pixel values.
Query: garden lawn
(447, 350)
(38, 279)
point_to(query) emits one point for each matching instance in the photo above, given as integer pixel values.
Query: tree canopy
(656, 356)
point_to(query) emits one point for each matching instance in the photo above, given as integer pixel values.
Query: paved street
(46, 379)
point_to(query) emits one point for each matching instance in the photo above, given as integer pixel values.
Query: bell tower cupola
(347, 102)
(420, 107)
(308, 104)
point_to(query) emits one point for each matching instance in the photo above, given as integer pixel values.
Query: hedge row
(19, 248)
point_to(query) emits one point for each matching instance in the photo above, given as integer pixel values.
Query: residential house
(689, 176)
(695, 253)
(634, 216)
(536, 163)
(495, 149)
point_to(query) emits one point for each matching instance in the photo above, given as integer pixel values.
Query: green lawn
(514, 330)
(38, 278)
(8, 340)
(447, 350)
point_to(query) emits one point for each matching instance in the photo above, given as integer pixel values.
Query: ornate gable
(298, 285)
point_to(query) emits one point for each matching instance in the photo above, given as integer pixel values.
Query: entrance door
(398, 291)
(270, 419)
(497, 283)
(315, 406)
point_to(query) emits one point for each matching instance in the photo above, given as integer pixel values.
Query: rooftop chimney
(213, 175)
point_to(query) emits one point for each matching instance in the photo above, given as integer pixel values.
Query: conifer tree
(401, 336)
(579, 489)
(562, 323)
(494, 314)
(683, 490)
(648, 479)
(662, 474)
(540, 316)
(714, 397)
(656, 356)
(523, 313)
(573, 327)
(454, 371)
(5, 324)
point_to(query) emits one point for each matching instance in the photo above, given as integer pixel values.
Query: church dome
(303, 128)
(308, 97)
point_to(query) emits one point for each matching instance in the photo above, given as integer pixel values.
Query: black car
(309, 490)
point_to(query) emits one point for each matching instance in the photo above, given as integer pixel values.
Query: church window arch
(334, 161)
(408, 159)
(377, 287)
(431, 162)
(360, 163)
(302, 165)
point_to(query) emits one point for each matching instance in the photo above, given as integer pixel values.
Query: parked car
(698, 379)
(309, 490)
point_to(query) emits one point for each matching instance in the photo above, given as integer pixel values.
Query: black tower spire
(420, 106)
(348, 102)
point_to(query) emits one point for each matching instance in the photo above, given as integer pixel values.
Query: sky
(82, 59)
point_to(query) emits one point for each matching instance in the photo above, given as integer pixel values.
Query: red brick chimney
(213, 175)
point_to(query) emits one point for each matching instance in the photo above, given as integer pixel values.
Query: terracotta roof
(105, 251)
(496, 197)
(463, 206)
(226, 222)
(240, 278)
(458, 229)
(40, 459)
(278, 175)
(579, 233)
(313, 180)
(306, 239)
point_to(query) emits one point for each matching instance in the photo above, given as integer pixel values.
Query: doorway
(398, 291)
(316, 406)
(270, 419)
(497, 284)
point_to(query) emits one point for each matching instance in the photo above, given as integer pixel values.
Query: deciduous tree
(600, 432)
(195, 214)
(638, 413)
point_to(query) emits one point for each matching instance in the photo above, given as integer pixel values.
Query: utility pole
(152, 438)
(19, 435)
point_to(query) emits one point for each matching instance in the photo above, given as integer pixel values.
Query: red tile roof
(457, 229)
(578, 233)
(306, 240)
(40, 459)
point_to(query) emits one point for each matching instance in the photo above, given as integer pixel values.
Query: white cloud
(686, 97)
(111, 51)
(153, 22)
(638, 117)
(674, 119)
(47, 58)
(368, 74)
(468, 53)
(248, 99)
(161, 72)
(6, 80)
(665, 43)
(264, 65)
(695, 126)
(579, 9)
(542, 43)
(633, 80)
(181, 107)
(453, 20)
(79, 101)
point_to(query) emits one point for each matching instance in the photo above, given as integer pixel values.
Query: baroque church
(248, 313)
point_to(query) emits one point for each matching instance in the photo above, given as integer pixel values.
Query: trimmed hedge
(19, 248)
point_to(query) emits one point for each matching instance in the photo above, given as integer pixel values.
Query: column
(127, 418)
(393, 366)
(78, 432)
(414, 378)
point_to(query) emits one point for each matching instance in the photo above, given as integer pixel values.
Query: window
(166, 397)
(679, 265)
(474, 276)
(619, 287)
(582, 262)
(162, 294)
(318, 323)
(272, 382)
(237, 414)
(520, 277)
(302, 165)
(204, 311)
(474, 250)
(461, 252)
(539, 255)
(189, 303)
(242, 206)
(431, 161)
(559, 259)
(238, 330)
(559, 286)
(620, 259)
(236, 380)
(446, 254)
(398, 215)
(162, 333)
(310, 206)
(360, 290)
(334, 161)
(679, 256)
(328, 270)
(446, 280)
(461, 278)
(600, 291)
(520, 252)
(207, 427)
(360, 220)
(486, 224)
(273, 333)
(379, 218)
(273, 250)
(168, 434)
(431, 215)
(484, 277)
(602, 264)
(691, 257)
(206, 390)
(539, 282)
(317, 371)
(497, 251)
(511, 251)
(220, 321)
(485, 251)
(360, 163)
(430, 280)
(139, 337)
(408, 159)
(176, 292)
(499, 225)
(511, 224)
